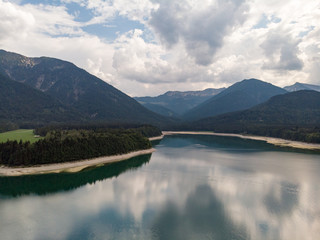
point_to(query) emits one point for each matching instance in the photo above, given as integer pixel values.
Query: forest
(145, 130)
(65, 145)
(309, 134)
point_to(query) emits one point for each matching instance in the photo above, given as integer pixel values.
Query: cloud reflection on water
(185, 192)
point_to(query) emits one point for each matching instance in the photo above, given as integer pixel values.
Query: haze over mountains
(302, 86)
(176, 103)
(193, 105)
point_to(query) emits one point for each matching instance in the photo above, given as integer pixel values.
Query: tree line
(145, 130)
(70, 145)
(309, 134)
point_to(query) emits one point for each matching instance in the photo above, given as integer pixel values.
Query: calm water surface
(192, 187)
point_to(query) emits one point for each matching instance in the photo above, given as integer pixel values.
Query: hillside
(302, 86)
(160, 110)
(177, 102)
(22, 104)
(241, 95)
(74, 87)
(289, 116)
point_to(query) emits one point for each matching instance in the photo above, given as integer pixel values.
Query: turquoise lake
(192, 187)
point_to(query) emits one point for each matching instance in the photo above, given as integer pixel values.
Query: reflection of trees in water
(203, 217)
(50, 183)
(229, 144)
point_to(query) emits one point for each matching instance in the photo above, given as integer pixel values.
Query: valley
(159, 120)
(57, 97)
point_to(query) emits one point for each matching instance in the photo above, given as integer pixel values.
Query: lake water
(192, 187)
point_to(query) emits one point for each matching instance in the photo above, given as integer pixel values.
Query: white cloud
(105, 11)
(138, 60)
(14, 22)
(201, 27)
(184, 45)
(53, 20)
(281, 52)
(138, 10)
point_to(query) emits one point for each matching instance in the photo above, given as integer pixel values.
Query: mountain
(161, 110)
(302, 86)
(178, 102)
(76, 88)
(301, 108)
(241, 95)
(294, 116)
(23, 104)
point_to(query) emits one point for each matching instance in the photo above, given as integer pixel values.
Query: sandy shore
(271, 140)
(82, 164)
(70, 166)
(156, 138)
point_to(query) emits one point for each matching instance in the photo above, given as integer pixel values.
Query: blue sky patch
(81, 14)
(265, 20)
(113, 28)
(44, 2)
(305, 33)
(109, 30)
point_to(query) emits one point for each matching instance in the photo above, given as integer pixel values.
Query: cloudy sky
(147, 47)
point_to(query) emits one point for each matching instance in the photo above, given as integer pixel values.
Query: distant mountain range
(295, 108)
(294, 115)
(40, 91)
(72, 87)
(192, 105)
(241, 95)
(175, 103)
(302, 86)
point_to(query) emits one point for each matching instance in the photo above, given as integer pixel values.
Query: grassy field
(23, 134)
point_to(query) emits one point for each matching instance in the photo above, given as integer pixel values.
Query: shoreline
(77, 166)
(70, 167)
(156, 138)
(275, 141)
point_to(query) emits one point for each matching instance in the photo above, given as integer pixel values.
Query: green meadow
(20, 134)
